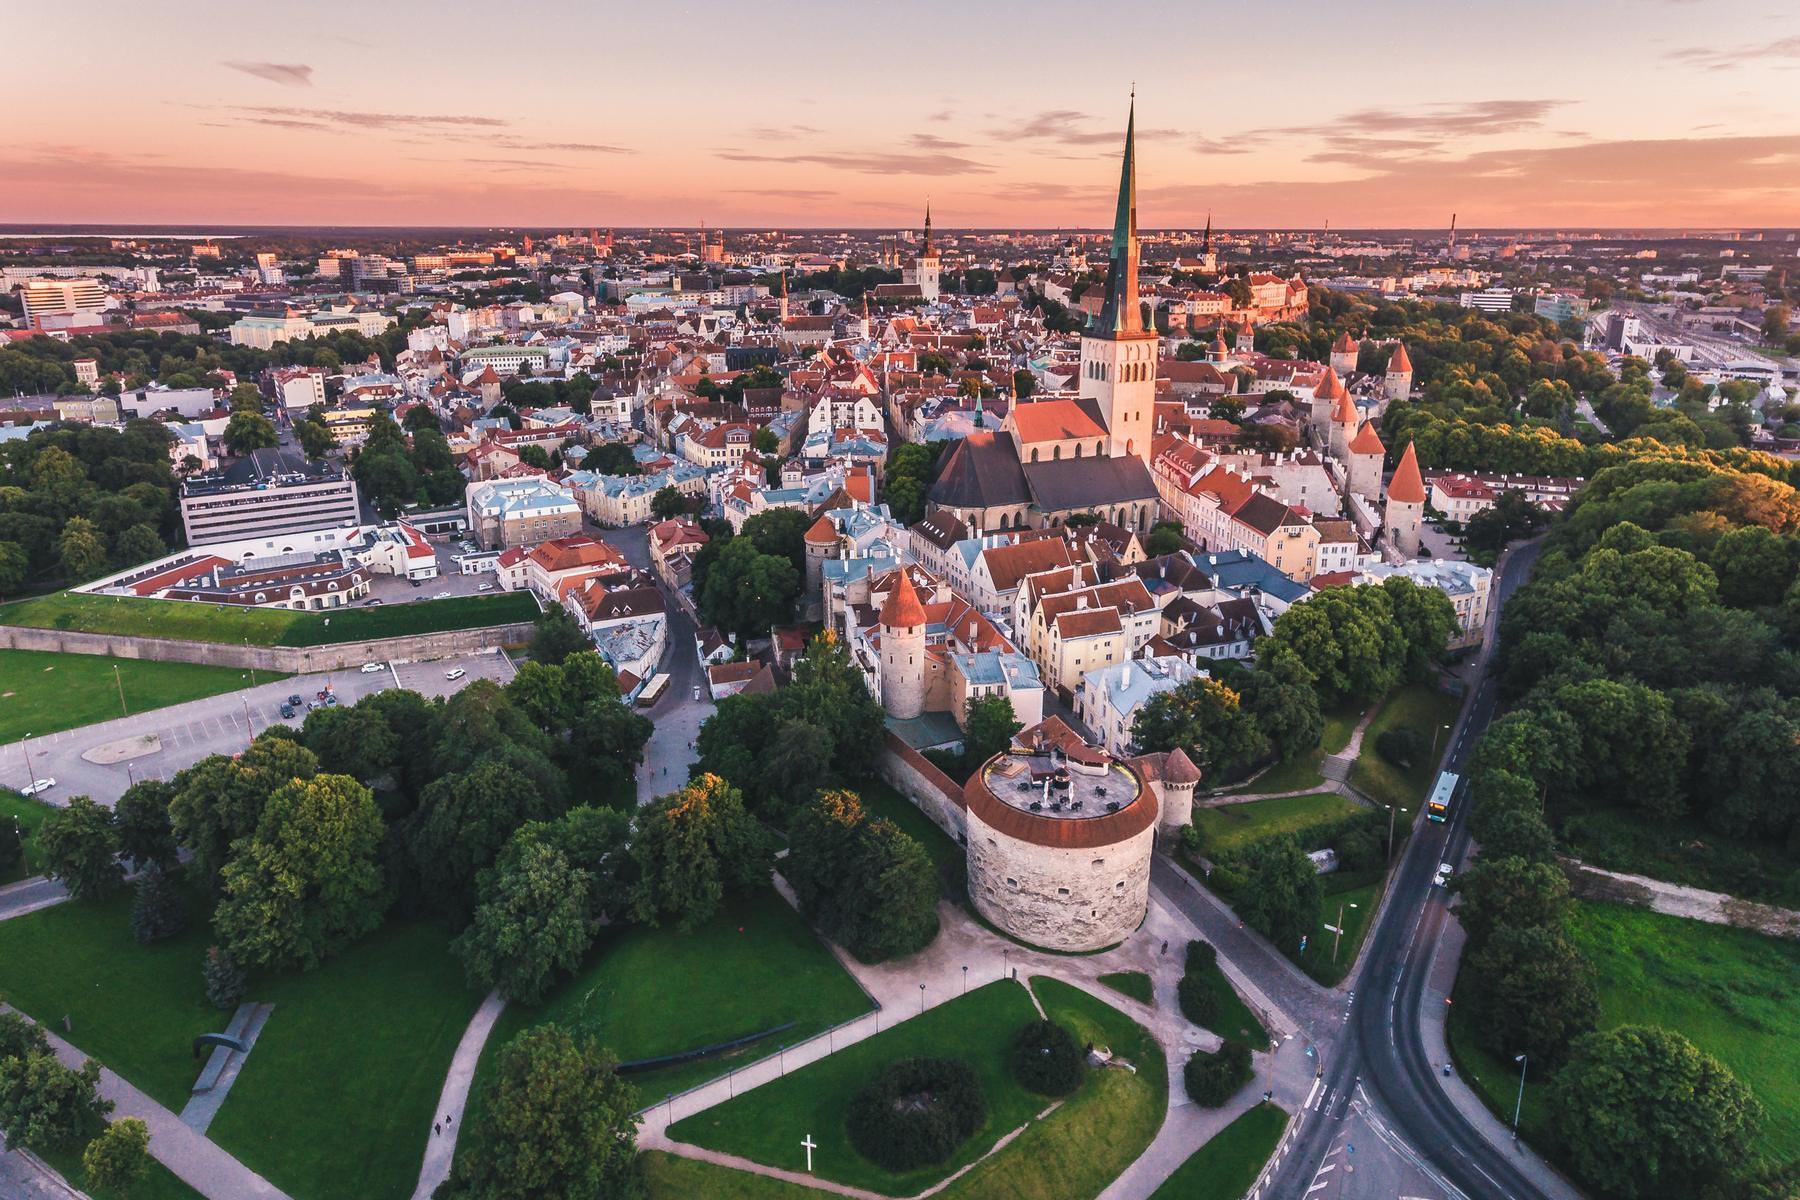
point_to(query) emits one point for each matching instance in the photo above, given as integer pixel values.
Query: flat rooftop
(1049, 784)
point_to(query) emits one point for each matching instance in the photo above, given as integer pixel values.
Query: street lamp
(1521, 1103)
(1435, 730)
(921, 999)
(250, 661)
(1393, 810)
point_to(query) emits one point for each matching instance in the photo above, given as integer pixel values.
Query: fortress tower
(1398, 382)
(903, 651)
(1405, 505)
(1343, 355)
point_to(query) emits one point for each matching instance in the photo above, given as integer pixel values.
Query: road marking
(1315, 1187)
(1323, 1169)
(1310, 1096)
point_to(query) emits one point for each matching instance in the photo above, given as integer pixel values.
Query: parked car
(696, 691)
(375, 603)
(441, 596)
(369, 668)
(414, 582)
(486, 587)
(331, 702)
(294, 701)
(39, 785)
(312, 704)
(457, 673)
(287, 712)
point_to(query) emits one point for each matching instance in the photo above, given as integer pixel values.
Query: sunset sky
(1274, 114)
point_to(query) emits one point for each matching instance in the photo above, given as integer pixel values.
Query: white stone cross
(810, 1147)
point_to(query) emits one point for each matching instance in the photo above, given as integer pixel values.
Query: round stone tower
(1398, 381)
(1405, 505)
(1362, 473)
(903, 651)
(1179, 775)
(1343, 355)
(1324, 405)
(821, 543)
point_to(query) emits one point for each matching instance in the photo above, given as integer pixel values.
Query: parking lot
(391, 589)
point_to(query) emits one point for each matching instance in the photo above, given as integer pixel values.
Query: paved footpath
(29, 895)
(199, 1163)
(440, 1147)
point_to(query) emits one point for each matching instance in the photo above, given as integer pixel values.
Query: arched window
(1055, 453)
(1129, 448)
(1077, 449)
(1034, 454)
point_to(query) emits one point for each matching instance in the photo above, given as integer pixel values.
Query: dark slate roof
(982, 471)
(1079, 484)
(1263, 513)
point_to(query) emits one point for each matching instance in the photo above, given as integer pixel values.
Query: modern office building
(271, 493)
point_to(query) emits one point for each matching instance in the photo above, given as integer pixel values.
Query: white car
(441, 596)
(458, 673)
(1444, 872)
(486, 587)
(371, 668)
(39, 785)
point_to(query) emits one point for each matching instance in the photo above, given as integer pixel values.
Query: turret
(1179, 776)
(903, 651)
(1325, 400)
(1343, 355)
(1405, 505)
(821, 543)
(1343, 425)
(1398, 383)
(1362, 466)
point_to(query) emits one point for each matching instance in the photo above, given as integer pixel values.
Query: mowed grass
(1424, 708)
(767, 1125)
(135, 1008)
(1135, 984)
(1075, 1152)
(1299, 774)
(1733, 993)
(1236, 1022)
(1233, 826)
(1229, 1163)
(646, 993)
(200, 622)
(42, 692)
(158, 1183)
(1358, 908)
(29, 813)
(336, 1100)
(672, 1177)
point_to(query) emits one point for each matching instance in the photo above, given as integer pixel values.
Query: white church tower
(925, 269)
(1118, 355)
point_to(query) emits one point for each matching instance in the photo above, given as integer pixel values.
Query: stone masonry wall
(1060, 899)
(296, 660)
(912, 775)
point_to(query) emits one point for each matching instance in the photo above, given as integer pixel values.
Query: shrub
(1360, 851)
(1212, 1079)
(1402, 745)
(916, 1112)
(1198, 997)
(1201, 957)
(224, 978)
(1046, 1059)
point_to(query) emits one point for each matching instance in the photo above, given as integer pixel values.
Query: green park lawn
(1234, 826)
(1729, 991)
(1226, 1166)
(29, 814)
(1236, 1022)
(1299, 774)
(198, 622)
(336, 1099)
(645, 993)
(672, 1177)
(1135, 984)
(1071, 1155)
(1358, 908)
(767, 1125)
(1424, 708)
(42, 692)
(1340, 726)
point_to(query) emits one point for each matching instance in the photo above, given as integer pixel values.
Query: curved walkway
(446, 1119)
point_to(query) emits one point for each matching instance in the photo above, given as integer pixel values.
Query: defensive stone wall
(1072, 899)
(295, 660)
(913, 776)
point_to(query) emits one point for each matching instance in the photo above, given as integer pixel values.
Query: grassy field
(1686, 851)
(1236, 1021)
(1135, 984)
(767, 1125)
(1358, 907)
(1231, 826)
(335, 1101)
(30, 814)
(645, 993)
(135, 1008)
(1731, 992)
(1229, 1163)
(265, 627)
(672, 1177)
(1099, 1131)
(158, 1183)
(1301, 774)
(43, 692)
(1424, 708)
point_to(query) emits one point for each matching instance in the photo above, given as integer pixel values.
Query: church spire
(1122, 276)
(1206, 246)
(926, 253)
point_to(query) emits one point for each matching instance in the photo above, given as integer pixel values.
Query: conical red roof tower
(1407, 486)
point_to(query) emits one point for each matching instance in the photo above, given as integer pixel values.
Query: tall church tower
(1118, 355)
(925, 269)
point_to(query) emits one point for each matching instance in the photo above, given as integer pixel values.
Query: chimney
(1080, 603)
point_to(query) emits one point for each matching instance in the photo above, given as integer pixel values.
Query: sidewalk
(1433, 1011)
(29, 895)
(440, 1148)
(197, 1161)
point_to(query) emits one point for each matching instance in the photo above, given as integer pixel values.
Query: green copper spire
(1121, 277)
(1125, 220)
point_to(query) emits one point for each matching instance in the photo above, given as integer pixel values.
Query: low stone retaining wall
(1675, 900)
(293, 660)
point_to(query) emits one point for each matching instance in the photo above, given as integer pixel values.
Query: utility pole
(117, 680)
(1340, 933)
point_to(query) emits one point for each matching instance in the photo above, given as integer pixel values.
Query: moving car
(369, 668)
(39, 785)
(1444, 872)
(456, 673)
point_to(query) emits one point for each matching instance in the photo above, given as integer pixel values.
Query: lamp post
(1393, 811)
(921, 999)
(122, 709)
(965, 981)
(26, 755)
(1435, 730)
(1517, 1108)
(250, 661)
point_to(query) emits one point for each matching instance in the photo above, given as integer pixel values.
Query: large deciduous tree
(533, 923)
(863, 882)
(46, 1105)
(1280, 897)
(462, 822)
(556, 1123)
(79, 847)
(1203, 717)
(693, 846)
(219, 799)
(307, 882)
